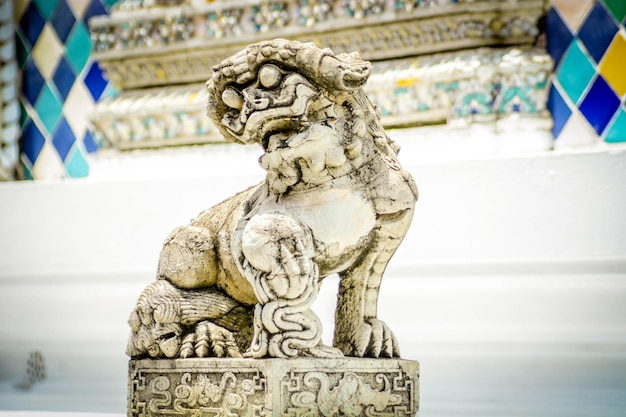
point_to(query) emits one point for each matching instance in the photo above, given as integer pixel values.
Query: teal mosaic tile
(617, 131)
(46, 7)
(49, 108)
(76, 164)
(575, 71)
(78, 47)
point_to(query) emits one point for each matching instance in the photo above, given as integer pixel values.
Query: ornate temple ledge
(482, 85)
(150, 46)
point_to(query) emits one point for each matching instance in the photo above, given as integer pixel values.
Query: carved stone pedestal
(273, 387)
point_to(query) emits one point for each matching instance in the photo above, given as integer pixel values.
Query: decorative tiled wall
(587, 42)
(60, 84)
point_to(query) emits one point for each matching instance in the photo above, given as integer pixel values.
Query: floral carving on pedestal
(218, 393)
(329, 393)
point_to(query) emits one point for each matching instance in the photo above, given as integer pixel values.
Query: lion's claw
(373, 339)
(209, 339)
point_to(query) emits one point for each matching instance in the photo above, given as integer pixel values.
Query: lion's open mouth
(274, 134)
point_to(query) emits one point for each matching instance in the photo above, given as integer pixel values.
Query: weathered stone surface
(273, 387)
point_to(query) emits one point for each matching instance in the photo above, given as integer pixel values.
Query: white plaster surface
(509, 288)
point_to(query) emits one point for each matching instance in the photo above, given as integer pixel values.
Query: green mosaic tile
(46, 7)
(617, 8)
(575, 71)
(617, 131)
(48, 108)
(78, 47)
(23, 115)
(76, 164)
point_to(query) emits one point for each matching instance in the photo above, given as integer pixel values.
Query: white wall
(509, 287)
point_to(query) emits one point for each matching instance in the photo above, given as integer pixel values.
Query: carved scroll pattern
(327, 393)
(179, 393)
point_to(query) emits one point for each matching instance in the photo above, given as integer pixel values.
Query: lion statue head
(305, 107)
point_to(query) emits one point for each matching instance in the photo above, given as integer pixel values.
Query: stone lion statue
(240, 279)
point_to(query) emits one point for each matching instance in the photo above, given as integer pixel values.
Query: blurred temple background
(511, 114)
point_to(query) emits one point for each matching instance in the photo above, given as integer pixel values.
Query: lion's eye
(232, 98)
(269, 76)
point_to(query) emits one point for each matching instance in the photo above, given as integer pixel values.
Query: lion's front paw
(371, 338)
(209, 339)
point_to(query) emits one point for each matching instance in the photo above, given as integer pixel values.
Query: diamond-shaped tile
(48, 164)
(109, 3)
(47, 52)
(21, 51)
(617, 8)
(63, 20)
(572, 11)
(599, 104)
(23, 115)
(575, 71)
(78, 47)
(617, 131)
(559, 109)
(19, 8)
(32, 23)
(32, 82)
(26, 166)
(95, 8)
(48, 108)
(613, 64)
(95, 81)
(46, 7)
(559, 36)
(32, 141)
(89, 142)
(63, 138)
(78, 7)
(597, 31)
(77, 104)
(576, 133)
(76, 164)
(64, 78)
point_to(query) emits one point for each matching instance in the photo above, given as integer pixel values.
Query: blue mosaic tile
(575, 71)
(597, 31)
(89, 142)
(63, 138)
(32, 142)
(76, 164)
(559, 109)
(32, 82)
(617, 132)
(32, 24)
(559, 36)
(599, 105)
(63, 20)
(95, 8)
(95, 81)
(64, 78)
